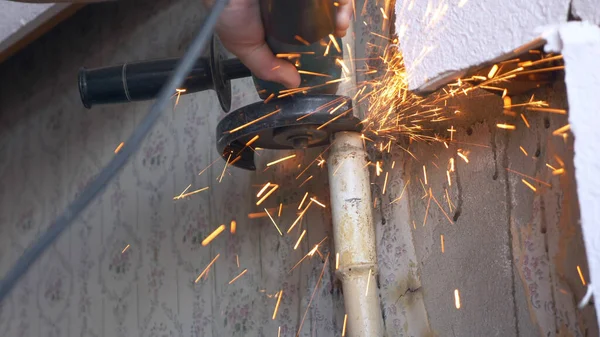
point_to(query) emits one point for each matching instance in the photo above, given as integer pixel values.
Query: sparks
(456, 299)
(299, 38)
(463, 157)
(277, 305)
(425, 174)
(281, 160)
(561, 130)
(207, 268)
(275, 187)
(119, 147)
(529, 185)
(368, 282)
(254, 121)
(493, 71)
(125, 249)
(190, 193)
(525, 121)
(313, 295)
(385, 182)
(318, 202)
(303, 199)
(300, 239)
(506, 126)
(402, 193)
(299, 217)
(213, 235)
(335, 44)
(237, 277)
(262, 190)
(337, 261)
(523, 150)
(233, 226)
(442, 242)
(344, 326)
(581, 275)
(273, 221)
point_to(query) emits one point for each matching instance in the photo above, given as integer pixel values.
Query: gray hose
(131, 145)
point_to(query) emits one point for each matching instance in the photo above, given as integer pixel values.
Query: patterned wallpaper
(128, 266)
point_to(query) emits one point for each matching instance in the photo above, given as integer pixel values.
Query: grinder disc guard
(299, 122)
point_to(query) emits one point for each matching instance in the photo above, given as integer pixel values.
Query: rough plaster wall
(587, 10)
(439, 45)
(512, 253)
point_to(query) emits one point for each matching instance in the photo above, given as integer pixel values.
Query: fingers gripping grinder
(310, 116)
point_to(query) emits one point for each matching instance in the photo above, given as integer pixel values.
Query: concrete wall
(511, 253)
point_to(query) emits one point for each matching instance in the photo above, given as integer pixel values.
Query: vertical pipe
(354, 234)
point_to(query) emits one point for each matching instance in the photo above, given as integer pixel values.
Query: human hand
(241, 31)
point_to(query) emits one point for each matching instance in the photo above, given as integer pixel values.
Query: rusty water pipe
(354, 234)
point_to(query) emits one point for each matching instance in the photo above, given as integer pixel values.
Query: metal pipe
(354, 234)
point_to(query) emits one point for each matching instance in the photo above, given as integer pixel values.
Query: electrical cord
(109, 171)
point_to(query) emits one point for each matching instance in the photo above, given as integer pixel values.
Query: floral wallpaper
(130, 264)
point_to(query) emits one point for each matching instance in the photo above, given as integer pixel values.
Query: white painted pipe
(354, 234)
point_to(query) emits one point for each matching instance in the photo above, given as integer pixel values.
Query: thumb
(263, 64)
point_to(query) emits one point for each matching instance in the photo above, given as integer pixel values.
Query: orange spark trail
(313, 295)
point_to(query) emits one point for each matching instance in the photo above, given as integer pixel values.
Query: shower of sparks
(233, 226)
(449, 180)
(277, 305)
(213, 235)
(424, 174)
(281, 160)
(528, 184)
(581, 275)
(207, 268)
(119, 147)
(442, 243)
(456, 299)
(344, 326)
(337, 261)
(318, 202)
(280, 209)
(181, 196)
(237, 277)
(558, 171)
(274, 223)
(125, 249)
(273, 189)
(299, 239)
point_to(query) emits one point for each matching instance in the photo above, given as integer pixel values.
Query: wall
(510, 252)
